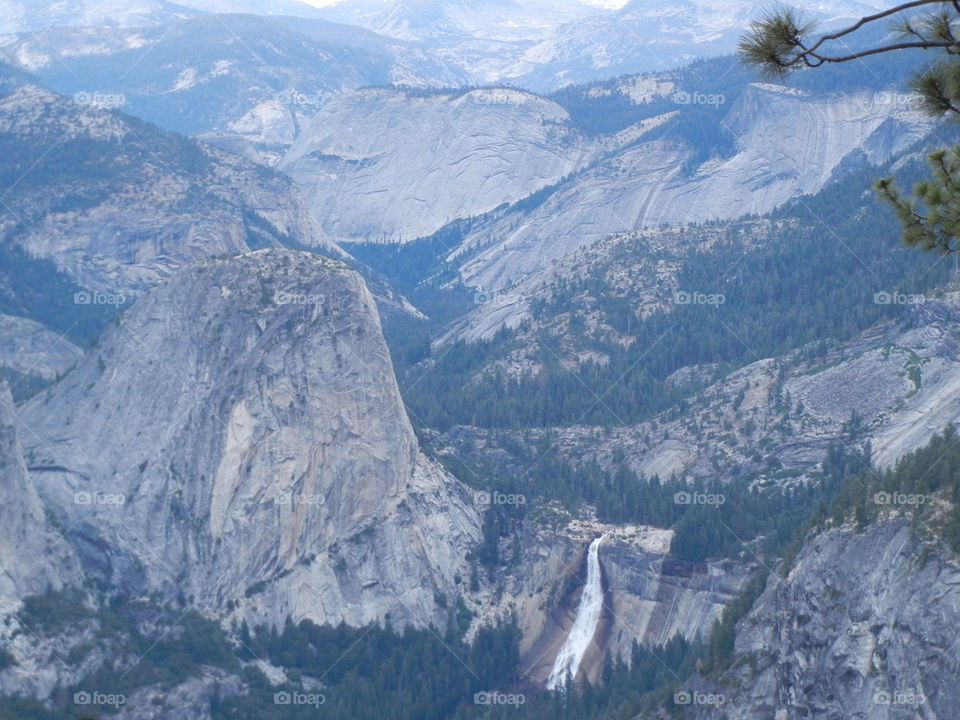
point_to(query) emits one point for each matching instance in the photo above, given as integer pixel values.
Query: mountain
(489, 40)
(543, 46)
(31, 15)
(116, 204)
(504, 21)
(28, 15)
(785, 144)
(261, 78)
(270, 473)
(670, 406)
(643, 36)
(289, 8)
(539, 178)
(297, 488)
(371, 162)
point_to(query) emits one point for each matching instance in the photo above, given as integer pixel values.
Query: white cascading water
(584, 626)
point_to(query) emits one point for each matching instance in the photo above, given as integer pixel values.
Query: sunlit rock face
(389, 166)
(239, 440)
(787, 144)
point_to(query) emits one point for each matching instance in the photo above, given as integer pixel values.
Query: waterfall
(584, 626)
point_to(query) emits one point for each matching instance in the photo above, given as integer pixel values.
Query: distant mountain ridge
(31, 15)
(541, 45)
(545, 45)
(208, 72)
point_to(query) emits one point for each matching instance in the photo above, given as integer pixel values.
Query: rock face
(655, 597)
(538, 189)
(33, 557)
(787, 143)
(239, 439)
(864, 625)
(390, 166)
(28, 348)
(649, 597)
(117, 204)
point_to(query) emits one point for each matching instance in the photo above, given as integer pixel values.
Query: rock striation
(33, 556)
(862, 626)
(383, 165)
(238, 440)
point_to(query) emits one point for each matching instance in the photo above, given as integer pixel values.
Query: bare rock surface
(239, 438)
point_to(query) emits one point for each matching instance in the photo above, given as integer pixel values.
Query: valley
(437, 360)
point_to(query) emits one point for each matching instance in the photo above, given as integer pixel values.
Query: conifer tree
(782, 41)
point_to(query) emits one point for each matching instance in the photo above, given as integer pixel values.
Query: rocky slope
(33, 556)
(787, 143)
(773, 420)
(861, 627)
(239, 440)
(372, 163)
(123, 203)
(639, 268)
(28, 348)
